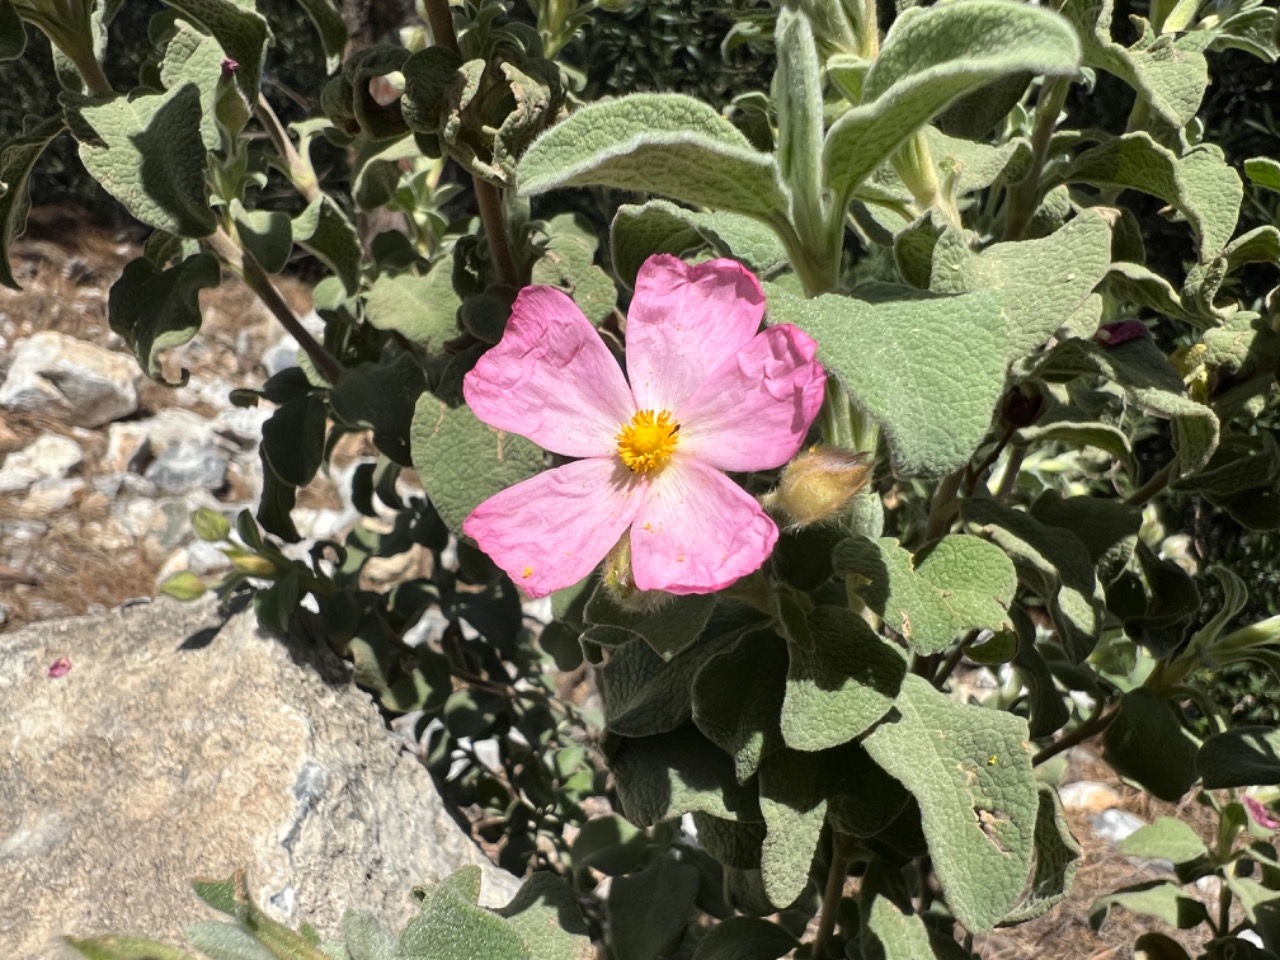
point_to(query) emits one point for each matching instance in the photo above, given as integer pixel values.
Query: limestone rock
(50, 457)
(173, 749)
(59, 376)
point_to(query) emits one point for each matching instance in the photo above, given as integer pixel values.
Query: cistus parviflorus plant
(992, 231)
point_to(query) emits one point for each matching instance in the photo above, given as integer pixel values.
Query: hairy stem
(841, 847)
(301, 173)
(1100, 720)
(1026, 195)
(242, 263)
(953, 660)
(944, 507)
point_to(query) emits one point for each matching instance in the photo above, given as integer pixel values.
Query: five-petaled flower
(709, 392)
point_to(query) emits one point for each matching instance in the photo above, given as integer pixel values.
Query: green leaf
(1200, 185)
(657, 143)
(462, 461)
(13, 34)
(423, 309)
(1057, 856)
(1074, 427)
(609, 844)
(452, 927)
(660, 226)
(738, 696)
(226, 941)
(1054, 564)
(17, 158)
(545, 915)
(797, 87)
(193, 56)
(293, 439)
(929, 58)
(976, 165)
(928, 369)
(1169, 72)
(153, 310)
(1135, 284)
(745, 938)
(671, 774)
(381, 396)
(648, 910)
(668, 630)
(1107, 528)
(1048, 711)
(646, 693)
(221, 894)
(240, 31)
(1042, 282)
(1243, 757)
(266, 234)
(325, 231)
(1263, 172)
(1150, 383)
(970, 771)
(125, 948)
(1157, 946)
(794, 803)
(901, 936)
(428, 76)
(332, 31)
(367, 938)
(568, 262)
(147, 153)
(841, 685)
(1165, 839)
(1146, 743)
(1162, 899)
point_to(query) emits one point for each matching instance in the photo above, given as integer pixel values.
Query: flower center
(646, 443)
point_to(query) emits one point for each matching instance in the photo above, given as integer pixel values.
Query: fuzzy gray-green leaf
(970, 771)
(17, 157)
(241, 32)
(931, 57)
(423, 309)
(657, 143)
(928, 369)
(154, 309)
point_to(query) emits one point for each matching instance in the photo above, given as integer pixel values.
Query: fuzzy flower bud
(619, 581)
(818, 484)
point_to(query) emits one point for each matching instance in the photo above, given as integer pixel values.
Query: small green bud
(817, 485)
(184, 585)
(210, 525)
(618, 580)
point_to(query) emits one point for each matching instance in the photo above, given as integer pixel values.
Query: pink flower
(708, 393)
(1260, 813)
(59, 668)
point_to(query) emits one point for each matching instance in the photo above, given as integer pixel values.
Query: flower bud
(253, 565)
(618, 580)
(818, 485)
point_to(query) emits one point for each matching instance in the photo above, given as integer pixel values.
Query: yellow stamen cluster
(647, 442)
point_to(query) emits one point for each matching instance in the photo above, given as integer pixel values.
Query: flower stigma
(647, 442)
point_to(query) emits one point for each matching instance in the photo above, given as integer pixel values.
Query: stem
(943, 509)
(91, 73)
(1026, 195)
(1152, 486)
(1100, 720)
(949, 665)
(241, 262)
(301, 173)
(488, 196)
(1012, 467)
(914, 164)
(870, 31)
(840, 850)
(1224, 902)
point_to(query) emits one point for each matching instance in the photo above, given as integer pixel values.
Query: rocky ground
(100, 469)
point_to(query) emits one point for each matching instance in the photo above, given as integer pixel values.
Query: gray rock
(171, 750)
(59, 376)
(51, 457)
(188, 465)
(1114, 825)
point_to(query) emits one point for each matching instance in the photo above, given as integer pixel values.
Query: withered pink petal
(697, 531)
(684, 322)
(551, 379)
(754, 411)
(551, 530)
(59, 668)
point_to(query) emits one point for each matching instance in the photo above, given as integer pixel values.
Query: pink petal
(697, 531)
(59, 668)
(753, 412)
(684, 321)
(551, 530)
(551, 379)
(1260, 813)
